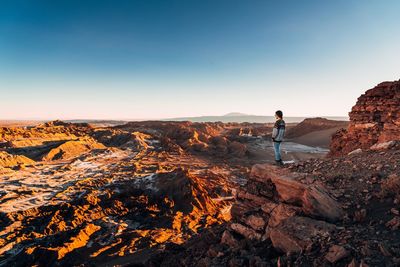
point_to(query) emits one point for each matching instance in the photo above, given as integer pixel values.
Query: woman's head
(279, 114)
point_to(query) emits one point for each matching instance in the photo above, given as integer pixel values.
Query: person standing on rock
(278, 132)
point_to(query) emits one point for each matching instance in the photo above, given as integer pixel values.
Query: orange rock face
(274, 205)
(313, 199)
(374, 119)
(8, 160)
(72, 149)
(121, 195)
(84, 195)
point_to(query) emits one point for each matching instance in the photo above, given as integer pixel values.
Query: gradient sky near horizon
(174, 58)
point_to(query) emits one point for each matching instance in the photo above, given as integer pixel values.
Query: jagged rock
(263, 172)
(259, 200)
(295, 234)
(374, 119)
(316, 201)
(384, 145)
(280, 213)
(241, 208)
(10, 161)
(336, 253)
(71, 149)
(245, 231)
(313, 198)
(77, 241)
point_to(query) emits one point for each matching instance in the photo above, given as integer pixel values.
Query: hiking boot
(279, 162)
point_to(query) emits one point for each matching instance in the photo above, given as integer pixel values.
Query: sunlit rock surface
(75, 194)
(374, 119)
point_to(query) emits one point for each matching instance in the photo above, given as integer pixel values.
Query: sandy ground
(262, 151)
(317, 138)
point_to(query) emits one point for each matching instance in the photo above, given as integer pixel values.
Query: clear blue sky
(170, 58)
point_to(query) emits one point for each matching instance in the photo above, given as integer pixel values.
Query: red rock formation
(276, 205)
(374, 119)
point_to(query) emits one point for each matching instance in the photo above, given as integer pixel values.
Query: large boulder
(275, 204)
(313, 199)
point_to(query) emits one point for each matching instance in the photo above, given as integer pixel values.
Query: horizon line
(169, 118)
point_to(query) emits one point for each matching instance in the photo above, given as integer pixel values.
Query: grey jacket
(278, 132)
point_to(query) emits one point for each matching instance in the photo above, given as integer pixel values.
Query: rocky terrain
(74, 194)
(320, 212)
(159, 193)
(340, 211)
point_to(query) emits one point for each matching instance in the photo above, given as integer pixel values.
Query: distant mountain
(246, 118)
(235, 114)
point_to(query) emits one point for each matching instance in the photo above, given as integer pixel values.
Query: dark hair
(279, 114)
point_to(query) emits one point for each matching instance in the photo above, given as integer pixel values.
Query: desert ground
(162, 193)
(75, 193)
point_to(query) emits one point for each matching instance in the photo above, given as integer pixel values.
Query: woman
(278, 133)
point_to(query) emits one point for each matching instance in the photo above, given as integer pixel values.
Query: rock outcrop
(276, 205)
(374, 119)
(72, 149)
(10, 161)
